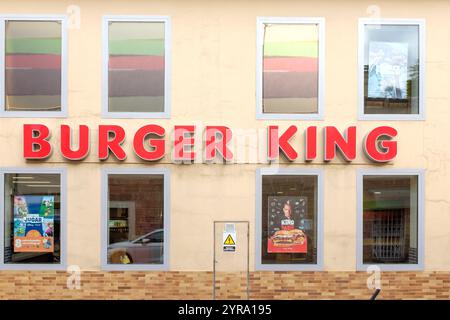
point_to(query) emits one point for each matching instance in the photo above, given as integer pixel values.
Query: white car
(145, 249)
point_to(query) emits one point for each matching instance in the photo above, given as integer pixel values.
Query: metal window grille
(388, 234)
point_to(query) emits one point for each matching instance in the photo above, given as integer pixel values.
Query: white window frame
(362, 22)
(260, 115)
(360, 266)
(34, 114)
(167, 67)
(105, 217)
(63, 220)
(259, 266)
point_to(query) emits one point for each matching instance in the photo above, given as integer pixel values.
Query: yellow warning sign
(229, 240)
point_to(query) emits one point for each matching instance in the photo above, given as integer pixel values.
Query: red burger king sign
(149, 142)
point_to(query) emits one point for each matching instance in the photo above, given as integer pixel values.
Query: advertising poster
(34, 223)
(388, 70)
(286, 225)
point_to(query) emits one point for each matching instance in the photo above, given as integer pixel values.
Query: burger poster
(286, 224)
(34, 223)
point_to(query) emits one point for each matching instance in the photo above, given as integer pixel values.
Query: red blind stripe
(33, 61)
(301, 64)
(136, 62)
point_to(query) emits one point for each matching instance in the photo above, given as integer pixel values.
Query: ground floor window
(391, 218)
(136, 218)
(289, 219)
(32, 218)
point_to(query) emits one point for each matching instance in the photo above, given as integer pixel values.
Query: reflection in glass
(32, 218)
(391, 69)
(33, 66)
(136, 219)
(289, 219)
(136, 67)
(390, 219)
(290, 68)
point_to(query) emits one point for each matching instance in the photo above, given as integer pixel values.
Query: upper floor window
(391, 67)
(290, 68)
(136, 67)
(32, 66)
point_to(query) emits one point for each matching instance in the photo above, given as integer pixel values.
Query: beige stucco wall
(213, 82)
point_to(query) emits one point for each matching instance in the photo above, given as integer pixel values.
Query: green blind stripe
(33, 45)
(291, 49)
(137, 47)
(386, 204)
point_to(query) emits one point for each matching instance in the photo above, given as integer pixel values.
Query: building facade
(217, 149)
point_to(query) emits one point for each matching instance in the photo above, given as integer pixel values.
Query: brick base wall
(198, 285)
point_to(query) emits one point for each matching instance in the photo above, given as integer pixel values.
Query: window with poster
(390, 219)
(391, 69)
(135, 224)
(289, 219)
(33, 219)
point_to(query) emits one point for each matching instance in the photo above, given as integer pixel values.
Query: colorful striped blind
(33, 65)
(136, 67)
(290, 68)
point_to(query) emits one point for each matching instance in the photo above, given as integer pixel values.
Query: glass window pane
(390, 219)
(290, 68)
(289, 219)
(391, 69)
(33, 66)
(136, 219)
(136, 67)
(32, 218)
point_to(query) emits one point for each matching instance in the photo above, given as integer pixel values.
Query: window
(136, 220)
(289, 220)
(33, 66)
(390, 220)
(391, 67)
(33, 219)
(136, 67)
(290, 68)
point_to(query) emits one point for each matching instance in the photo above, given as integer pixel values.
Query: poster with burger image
(285, 225)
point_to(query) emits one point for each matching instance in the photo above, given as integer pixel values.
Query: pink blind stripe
(291, 64)
(137, 62)
(33, 61)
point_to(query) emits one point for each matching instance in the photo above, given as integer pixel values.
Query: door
(231, 260)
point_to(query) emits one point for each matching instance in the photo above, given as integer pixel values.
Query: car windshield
(155, 236)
